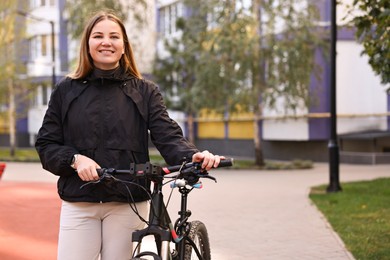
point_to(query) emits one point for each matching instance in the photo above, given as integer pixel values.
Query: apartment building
(363, 106)
(52, 52)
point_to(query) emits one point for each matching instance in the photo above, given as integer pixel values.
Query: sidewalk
(249, 214)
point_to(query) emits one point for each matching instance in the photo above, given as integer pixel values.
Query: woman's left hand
(208, 159)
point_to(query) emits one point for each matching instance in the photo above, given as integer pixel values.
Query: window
(40, 46)
(33, 48)
(44, 45)
(168, 16)
(41, 3)
(41, 95)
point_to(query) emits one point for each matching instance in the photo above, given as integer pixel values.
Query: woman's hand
(86, 168)
(208, 159)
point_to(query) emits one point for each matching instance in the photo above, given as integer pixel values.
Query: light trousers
(91, 231)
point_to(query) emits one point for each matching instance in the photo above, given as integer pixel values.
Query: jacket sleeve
(165, 133)
(54, 155)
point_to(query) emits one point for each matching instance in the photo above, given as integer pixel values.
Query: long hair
(85, 62)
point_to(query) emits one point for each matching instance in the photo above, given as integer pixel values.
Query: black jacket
(107, 119)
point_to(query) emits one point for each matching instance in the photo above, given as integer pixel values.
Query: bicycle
(190, 237)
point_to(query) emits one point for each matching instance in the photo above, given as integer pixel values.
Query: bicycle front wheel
(198, 234)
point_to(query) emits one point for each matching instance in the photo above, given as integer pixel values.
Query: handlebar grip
(100, 172)
(226, 162)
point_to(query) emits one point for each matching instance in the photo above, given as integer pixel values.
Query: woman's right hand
(86, 168)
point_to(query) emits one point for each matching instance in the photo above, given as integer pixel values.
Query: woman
(100, 116)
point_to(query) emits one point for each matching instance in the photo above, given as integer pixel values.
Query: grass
(21, 155)
(250, 164)
(360, 214)
(30, 155)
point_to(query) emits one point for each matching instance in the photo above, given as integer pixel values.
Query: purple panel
(319, 88)
(62, 49)
(21, 125)
(324, 9)
(345, 33)
(388, 110)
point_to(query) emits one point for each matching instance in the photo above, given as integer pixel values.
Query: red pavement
(29, 220)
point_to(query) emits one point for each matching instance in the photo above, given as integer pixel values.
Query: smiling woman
(106, 45)
(101, 116)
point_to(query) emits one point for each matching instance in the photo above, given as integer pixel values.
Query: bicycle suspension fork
(157, 220)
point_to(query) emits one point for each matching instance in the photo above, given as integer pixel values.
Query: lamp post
(334, 182)
(53, 57)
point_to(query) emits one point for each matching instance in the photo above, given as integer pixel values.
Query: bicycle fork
(157, 222)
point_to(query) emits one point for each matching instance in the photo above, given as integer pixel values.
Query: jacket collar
(117, 74)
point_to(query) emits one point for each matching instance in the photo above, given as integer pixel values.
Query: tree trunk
(11, 114)
(259, 158)
(190, 122)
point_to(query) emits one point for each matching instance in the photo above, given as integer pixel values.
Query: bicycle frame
(157, 225)
(160, 224)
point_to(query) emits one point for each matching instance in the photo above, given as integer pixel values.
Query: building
(51, 52)
(48, 56)
(363, 107)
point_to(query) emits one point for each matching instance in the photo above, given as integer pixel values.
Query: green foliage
(360, 214)
(230, 54)
(12, 34)
(372, 24)
(7, 40)
(79, 12)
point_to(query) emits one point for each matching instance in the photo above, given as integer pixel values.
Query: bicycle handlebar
(154, 171)
(171, 169)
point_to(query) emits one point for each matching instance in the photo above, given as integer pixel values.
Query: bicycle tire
(198, 234)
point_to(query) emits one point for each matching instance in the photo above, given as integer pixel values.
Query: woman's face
(106, 44)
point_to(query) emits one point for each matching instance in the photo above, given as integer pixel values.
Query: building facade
(51, 54)
(363, 107)
(363, 122)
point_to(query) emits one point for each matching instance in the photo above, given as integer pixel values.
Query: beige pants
(92, 230)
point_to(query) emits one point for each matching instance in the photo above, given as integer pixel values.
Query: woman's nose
(106, 42)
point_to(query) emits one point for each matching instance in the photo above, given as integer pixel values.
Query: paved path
(249, 214)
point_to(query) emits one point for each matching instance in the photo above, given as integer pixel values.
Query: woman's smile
(106, 45)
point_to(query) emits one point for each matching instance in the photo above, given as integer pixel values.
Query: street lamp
(334, 161)
(53, 57)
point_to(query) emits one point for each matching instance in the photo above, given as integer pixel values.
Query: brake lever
(104, 175)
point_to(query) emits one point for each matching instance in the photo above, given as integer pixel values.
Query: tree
(234, 55)
(137, 12)
(11, 31)
(80, 10)
(372, 20)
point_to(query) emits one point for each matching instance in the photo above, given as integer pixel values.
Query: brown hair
(85, 63)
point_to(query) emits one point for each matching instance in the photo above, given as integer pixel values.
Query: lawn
(360, 214)
(21, 155)
(30, 155)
